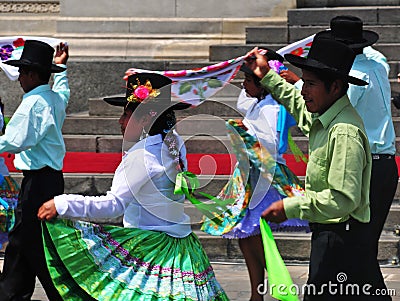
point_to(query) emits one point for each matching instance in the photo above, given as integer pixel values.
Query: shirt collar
(360, 57)
(153, 140)
(150, 140)
(330, 114)
(37, 90)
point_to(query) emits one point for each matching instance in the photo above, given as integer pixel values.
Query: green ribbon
(279, 280)
(186, 183)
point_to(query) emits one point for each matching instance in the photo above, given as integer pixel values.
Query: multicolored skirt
(9, 190)
(101, 262)
(240, 220)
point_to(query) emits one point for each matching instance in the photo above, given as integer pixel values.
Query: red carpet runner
(200, 164)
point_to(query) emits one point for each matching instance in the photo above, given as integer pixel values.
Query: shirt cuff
(62, 65)
(292, 207)
(61, 204)
(299, 84)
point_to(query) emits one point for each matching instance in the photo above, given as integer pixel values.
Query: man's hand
(257, 62)
(289, 76)
(275, 213)
(47, 211)
(61, 55)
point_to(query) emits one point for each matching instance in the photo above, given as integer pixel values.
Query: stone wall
(176, 8)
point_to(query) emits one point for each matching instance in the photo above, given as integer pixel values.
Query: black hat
(270, 54)
(144, 88)
(349, 30)
(330, 56)
(37, 54)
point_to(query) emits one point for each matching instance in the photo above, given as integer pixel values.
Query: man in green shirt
(336, 201)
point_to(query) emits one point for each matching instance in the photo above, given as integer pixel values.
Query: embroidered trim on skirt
(101, 262)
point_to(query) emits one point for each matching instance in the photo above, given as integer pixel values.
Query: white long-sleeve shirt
(142, 191)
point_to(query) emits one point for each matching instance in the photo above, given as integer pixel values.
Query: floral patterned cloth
(239, 220)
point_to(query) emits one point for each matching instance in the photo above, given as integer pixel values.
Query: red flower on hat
(19, 42)
(143, 93)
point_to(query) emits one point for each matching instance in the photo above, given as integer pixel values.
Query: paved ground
(234, 279)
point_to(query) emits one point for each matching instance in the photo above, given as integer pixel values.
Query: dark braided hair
(164, 122)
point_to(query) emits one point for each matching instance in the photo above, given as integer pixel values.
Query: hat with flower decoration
(36, 54)
(152, 88)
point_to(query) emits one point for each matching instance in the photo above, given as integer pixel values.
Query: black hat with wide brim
(270, 54)
(328, 56)
(157, 81)
(37, 54)
(349, 30)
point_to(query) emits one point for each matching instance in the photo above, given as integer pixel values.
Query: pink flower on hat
(143, 93)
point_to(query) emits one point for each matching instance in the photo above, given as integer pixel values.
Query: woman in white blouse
(155, 256)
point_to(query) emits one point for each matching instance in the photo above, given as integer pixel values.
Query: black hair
(44, 75)
(163, 123)
(328, 78)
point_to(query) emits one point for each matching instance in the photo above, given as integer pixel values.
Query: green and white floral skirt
(100, 262)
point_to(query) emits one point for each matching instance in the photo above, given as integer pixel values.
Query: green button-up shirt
(339, 168)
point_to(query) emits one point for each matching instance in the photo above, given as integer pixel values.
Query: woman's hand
(47, 211)
(257, 63)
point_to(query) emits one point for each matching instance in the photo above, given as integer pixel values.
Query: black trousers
(24, 258)
(341, 264)
(384, 180)
(334, 250)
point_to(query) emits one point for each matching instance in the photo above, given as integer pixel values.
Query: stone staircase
(102, 48)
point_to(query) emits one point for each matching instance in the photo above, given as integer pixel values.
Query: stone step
(152, 37)
(292, 247)
(371, 15)
(40, 24)
(218, 52)
(388, 34)
(194, 144)
(165, 47)
(224, 106)
(113, 144)
(151, 26)
(329, 3)
(201, 124)
(175, 9)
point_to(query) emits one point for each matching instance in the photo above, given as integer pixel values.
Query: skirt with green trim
(101, 262)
